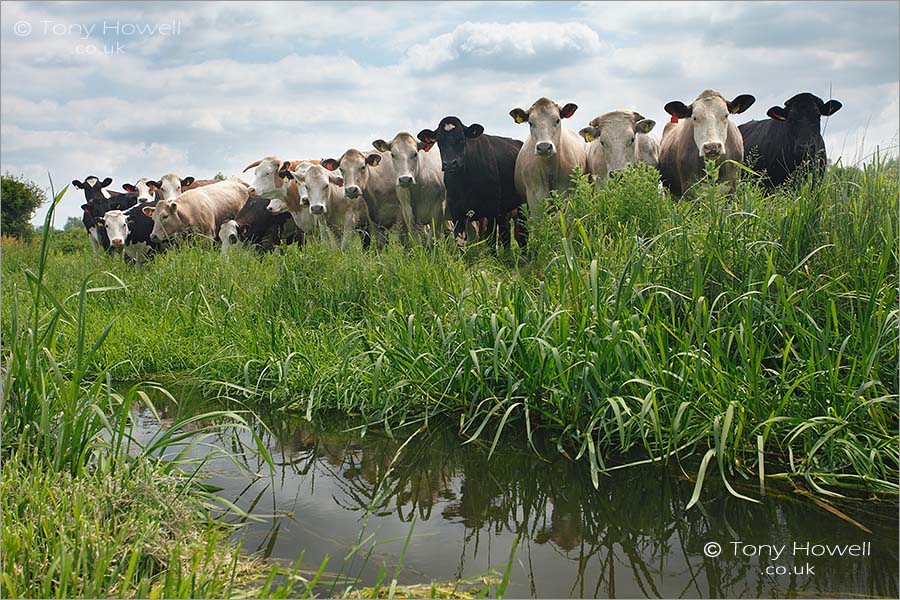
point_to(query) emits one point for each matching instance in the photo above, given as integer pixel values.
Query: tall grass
(756, 329)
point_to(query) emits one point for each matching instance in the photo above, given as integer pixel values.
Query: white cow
(617, 139)
(201, 210)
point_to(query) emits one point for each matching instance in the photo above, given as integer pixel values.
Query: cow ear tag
(674, 119)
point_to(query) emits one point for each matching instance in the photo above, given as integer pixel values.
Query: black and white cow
(789, 139)
(98, 200)
(130, 229)
(256, 225)
(479, 174)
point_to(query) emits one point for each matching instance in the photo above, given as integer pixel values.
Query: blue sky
(134, 89)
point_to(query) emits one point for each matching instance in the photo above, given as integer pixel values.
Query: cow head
(709, 118)
(267, 183)
(354, 168)
(167, 222)
(93, 187)
(116, 224)
(544, 120)
(617, 132)
(804, 111)
(451, 136)
(230, 234)
(321, 185)
(170, 186)
(144, 188)
(404, 150)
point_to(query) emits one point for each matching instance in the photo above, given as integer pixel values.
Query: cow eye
(631, 141)
(557, 120)
(362, 168)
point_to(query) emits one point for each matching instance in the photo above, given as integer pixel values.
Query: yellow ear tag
(588, 138)
(286, 179)
(519, 119)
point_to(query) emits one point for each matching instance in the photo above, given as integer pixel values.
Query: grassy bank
(755, 333)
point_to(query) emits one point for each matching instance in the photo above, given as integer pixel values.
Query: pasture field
(744, 337)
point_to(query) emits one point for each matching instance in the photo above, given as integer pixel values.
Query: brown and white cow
(419, 182)
(549, 154)
(201, 210)
(617, 139)
(330, 207)
(283, 194)
(370, 176)
(702, 131)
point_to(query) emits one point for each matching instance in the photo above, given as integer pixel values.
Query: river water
(631, 538)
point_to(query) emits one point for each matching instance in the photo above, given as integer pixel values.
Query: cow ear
(244, 228)
(373, 160)
(106, 182)
(148, 211)
(426, 146)
(644, 126)
(678, 109)
(78, 184)
(128, 187)
(830, 107)
(381, 145)
(740, 104)
(101, 222)
(86, 208)
(330, 164)
(568, 110)
(777, 113)
(154, 185)
(427, 135)
(285, 174)
(518, 115)
(187, 181)
(474, 130)
(590, 134)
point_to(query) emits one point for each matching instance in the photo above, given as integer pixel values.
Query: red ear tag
(341, 183)
(151, 186)
(674, 119)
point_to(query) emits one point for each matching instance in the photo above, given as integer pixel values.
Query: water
(630, 538)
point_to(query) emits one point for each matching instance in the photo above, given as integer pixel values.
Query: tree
(219, 176)
(72, 223)
(19, 198)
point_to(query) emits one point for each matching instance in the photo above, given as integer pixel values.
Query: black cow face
(804, 110)
(92, 187)
(451, 136)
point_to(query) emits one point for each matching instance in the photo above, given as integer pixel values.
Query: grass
(751, 336)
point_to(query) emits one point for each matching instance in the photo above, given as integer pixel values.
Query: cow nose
(232, 239)
(405, 180)
(117, 242)
(712, 149)
(544, 148)
(304, 200)
(318, 209)
(270, 209)
(351, 191)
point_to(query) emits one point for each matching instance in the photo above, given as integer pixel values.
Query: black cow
(131, 229)
(97, 203)
(791, 137)
(255, 225)
(479, 174)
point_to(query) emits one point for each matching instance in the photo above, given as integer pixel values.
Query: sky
(138, 89)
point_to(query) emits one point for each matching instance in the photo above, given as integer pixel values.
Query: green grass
(762, 328)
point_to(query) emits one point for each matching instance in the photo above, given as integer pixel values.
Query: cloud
(509, 46)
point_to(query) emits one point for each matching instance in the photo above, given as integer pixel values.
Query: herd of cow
(454, 173)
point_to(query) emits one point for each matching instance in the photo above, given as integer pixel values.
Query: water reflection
(632, 537)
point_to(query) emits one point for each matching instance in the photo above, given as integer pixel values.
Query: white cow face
(266, 181)
(354, 168)
(229, 235)
(319, 183)
(145, 189)
(617, 132)
(404, 149)
(709, 118)
(170, 186)
(167, 221)
(544, 120)
(276, 206)
(116, 223)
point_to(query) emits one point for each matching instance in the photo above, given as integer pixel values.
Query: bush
(19, 198)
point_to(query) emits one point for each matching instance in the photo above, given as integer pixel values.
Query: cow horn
(251, 165)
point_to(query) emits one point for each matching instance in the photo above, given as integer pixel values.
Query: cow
(283, 195)
(201, 210)
(791, 137)
(144, 189)
(170, 185)
(699, 132)
(372, 177)
(330, 207)
(550, 153)
(419, 181)
(131, 229)
(479, 174)
(98, 200)
(254, 224)
(615, 140)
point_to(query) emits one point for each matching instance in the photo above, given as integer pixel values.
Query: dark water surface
(631, 538)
